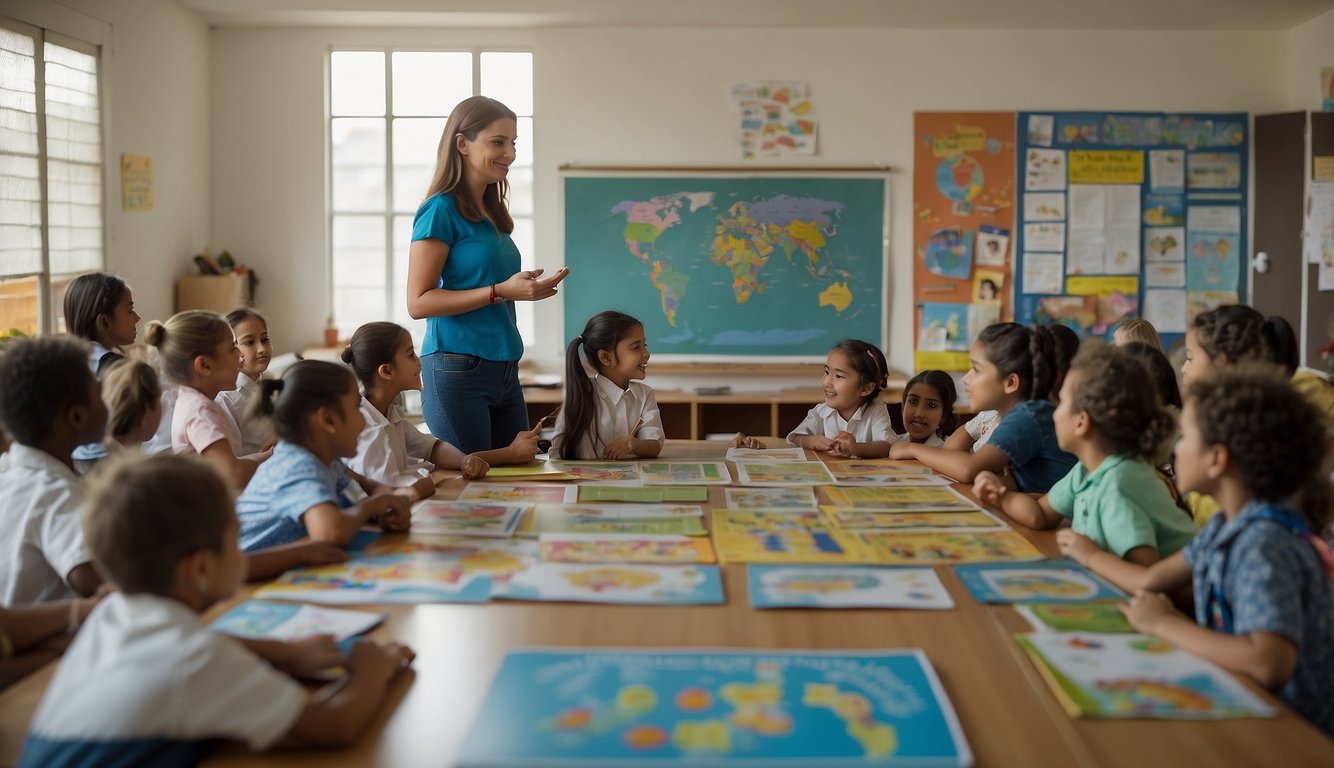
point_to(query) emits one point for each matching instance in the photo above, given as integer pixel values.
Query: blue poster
(949, 253)
(1213, 261)
(604, 707)
(1052, 581)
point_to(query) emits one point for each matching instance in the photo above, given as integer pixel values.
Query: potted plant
(330, 332)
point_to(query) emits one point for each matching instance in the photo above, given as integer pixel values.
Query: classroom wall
(1310, 47)
(155, 75)
(660, 97)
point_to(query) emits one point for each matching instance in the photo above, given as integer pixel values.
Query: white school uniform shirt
(256, 431)
(618, 410)
(42, 539)
(934, 440)
(869, 424)
(981, 426)
(390, 449)
(198, 422)
(145, 681)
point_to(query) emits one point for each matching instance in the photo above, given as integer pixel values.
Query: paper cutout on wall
(949, 253)
(993, 244)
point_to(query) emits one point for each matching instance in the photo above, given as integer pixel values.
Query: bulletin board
(1129, 214)
(963, 192)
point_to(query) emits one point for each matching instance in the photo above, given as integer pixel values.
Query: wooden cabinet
(219, 293)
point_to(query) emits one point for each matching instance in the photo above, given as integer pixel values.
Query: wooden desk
(1009, 716)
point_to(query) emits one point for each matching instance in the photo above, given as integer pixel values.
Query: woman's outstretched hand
(529, 285)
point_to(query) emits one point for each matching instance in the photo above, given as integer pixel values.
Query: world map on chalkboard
(729, 266)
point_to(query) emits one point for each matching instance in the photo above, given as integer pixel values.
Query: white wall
(1310, 47)
(659, 97)
(155, 74)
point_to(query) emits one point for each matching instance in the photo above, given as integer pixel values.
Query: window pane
(430, 83)
(523, 146)
(20, 216)
(357, 81)
(18, 306)
(398, 303)
(358, 164)
(74, 161)
(415, 143)
(508, 77)
(521, 191)
(18, 94)
(358, 271)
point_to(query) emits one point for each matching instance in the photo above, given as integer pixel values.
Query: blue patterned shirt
(284, 488)
(1027, 436)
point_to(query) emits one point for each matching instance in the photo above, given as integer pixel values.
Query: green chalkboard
(756, 266)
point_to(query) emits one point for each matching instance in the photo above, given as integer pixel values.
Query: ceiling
(1277, 15)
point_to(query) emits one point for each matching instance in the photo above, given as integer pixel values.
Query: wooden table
(1009, 716)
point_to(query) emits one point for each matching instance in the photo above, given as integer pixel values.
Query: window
(387, 110)
(50, 174)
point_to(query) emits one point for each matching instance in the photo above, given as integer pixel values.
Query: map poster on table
(544, 493)
(656, 495)
(766, 454)
(559, 518)
(615, 583)
(1100, 616)
(900, 499)
(780, 536)
(620, 548)
(783, 473)
(882, 473)
(927, 548)
(416, 577)
(783, 586)
(617, 707)
(466, 518)
(1052, 581)
(731, 267)
(773, 498)
(684, 473)
(868, 520)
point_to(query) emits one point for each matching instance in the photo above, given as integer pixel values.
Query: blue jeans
(472, 403)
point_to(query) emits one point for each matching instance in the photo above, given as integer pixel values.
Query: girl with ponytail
(1013, 370)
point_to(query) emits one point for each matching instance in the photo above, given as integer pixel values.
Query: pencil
(546, 418)
(636, 427)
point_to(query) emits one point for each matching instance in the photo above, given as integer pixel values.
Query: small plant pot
(330, 337)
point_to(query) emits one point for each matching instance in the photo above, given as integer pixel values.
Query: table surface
(1008, 714)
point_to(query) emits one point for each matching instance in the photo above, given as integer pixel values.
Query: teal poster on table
(729, 266)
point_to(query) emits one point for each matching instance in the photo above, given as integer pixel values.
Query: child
(133, 396)
(1139, 330)
(1160, 370)
(852, 421)
(302, 490)
(252, 340)
(608, 416)
(928, 408)
(32, 635)
(392, 451)
(99, 308)
(199, 354)
(1012, 371)
(1264, 604)
(51, 403)
(1065, 343)
(167, 686)
(1110, 418)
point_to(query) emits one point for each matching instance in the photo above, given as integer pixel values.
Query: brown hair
(373, 345)
(184, 337)
(145, 513)
(1240, 333)
(242, 314)
(304, 388)
(131, 389)
(1138, 329)
(89, 297)
(467, 119)
(1122, 399)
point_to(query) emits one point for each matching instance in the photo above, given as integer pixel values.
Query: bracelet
(73, 625)
(496, 298)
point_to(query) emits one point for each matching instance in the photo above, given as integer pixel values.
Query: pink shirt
(199, 422)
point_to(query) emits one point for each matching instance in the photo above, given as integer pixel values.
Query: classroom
(298, 137)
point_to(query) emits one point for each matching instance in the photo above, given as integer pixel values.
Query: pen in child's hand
(635, 429)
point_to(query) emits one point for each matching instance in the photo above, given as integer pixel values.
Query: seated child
(392, 451)
(52, 402)
(610, 415)
(974, 433)
(1264, 601)
(252, 341)
(167, 687)
(1137, 330)
(1120, 512)
(928, 408)
(303, 489)
(852, 421)
(133, 396)
(32, 635)
(99, 308)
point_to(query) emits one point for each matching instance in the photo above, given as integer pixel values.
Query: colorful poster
(783, 473)
(882, 473)
(619, 511)
(684, 473)
(1044, 170)
(382, 578)
(629, 706)
(1164, 210)
(780, 536)
(777, 118)
(1167, 170)
(1098, 616)
(766, 454)
(533, 470)
(870, 520)
(1097, 166)
(1136, 676)
(136, 182)
(615, 583)
(619, 548)
(987, 286)
(555, 518)
(993, 244)
(1213, 170)
(1188, 131)
(949, 253)
(1087, 315)
(1198, 302)
(898, 499)
(943, 327)
(928, 548)
(546, 494)
(774, 498)
(1044, 206)
(467, 518)
(1327, 88)
(782, 586)
(600, 471)
(1053, 581)
(657, 495)
(498, 559)
(1122, 130)
(1164, 244)
(1213, 261)
(262, 619)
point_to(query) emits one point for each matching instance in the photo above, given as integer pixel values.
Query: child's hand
(989, 488)
(1075, 546)
(902, 450)
(379, 661)
(423, 488)
(397, 517)
(311, 656)
(843, 444)
(474, 466)
(817, 443)
(320, 553)
(1147, 610)
(617, 449)
(743, 441)
(524, 447)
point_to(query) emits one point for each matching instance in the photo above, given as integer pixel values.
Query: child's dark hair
(944, 384)
(1160, 370)
(145, 513)
(602, 333)
(1274, 436)
(131, 389)
(1240, 333)
(1118, 394)
(242, 314)
(89, 296)
(304, 388)
(869, 363)
(1029, 353)
(1066, 343)
(373, 345)
(40, 377)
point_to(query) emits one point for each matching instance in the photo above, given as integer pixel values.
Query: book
(599, 471)
(1050, 581)
(654, 495)
(766, 454)
(782, 586)
(616, 707)
(615, 583)
(611, 548)
(882, 473)
(788, 536)
(540, 493)
(783, 473)
(1101, 616)
(684, 473)
(571, 518)
(265, 619)
(770, 498)
(533, 470)
(900, 499)
(1118, 676)
(930, 548)
(467, 518)
(867, 520)
(497, 559)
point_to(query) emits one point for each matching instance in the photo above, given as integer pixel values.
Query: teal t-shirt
(479, 256)
(1121, 505)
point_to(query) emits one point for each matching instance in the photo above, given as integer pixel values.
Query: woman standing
(463, 272)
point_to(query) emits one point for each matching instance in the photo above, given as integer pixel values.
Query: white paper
(1122, 212)
(1164, 244)
(1042, 273)
(1121, 252)
(1087, 206)
(1167, 170)
(1318, 239)
(1166, 309)
(1165, 274)
(1044, 170)
(992, 244)
(1044, 237)
(1213, 218)
(1085, 254)
(1044, 206)
(1041, 129)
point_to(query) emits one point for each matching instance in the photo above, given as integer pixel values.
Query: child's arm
(1020, 507)
(844, 444)
(1130, 573)
(84, 579)
(327, 522)
(520, 451)
(963, 466)
(1266, 658)
(338, 713)
(632, 446)
(305, 658)
(960, 440)
(811, 442)
(745, 441)
(275, 561)
(238, 470)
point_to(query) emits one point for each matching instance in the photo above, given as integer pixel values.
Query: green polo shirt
(1121, 505)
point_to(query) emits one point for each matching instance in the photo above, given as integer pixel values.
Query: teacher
(463, 274)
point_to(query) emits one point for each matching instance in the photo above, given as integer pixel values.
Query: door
(1280, 198)
(1319, 304)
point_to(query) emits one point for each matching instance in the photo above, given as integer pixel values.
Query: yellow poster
(1101, 286)
(136, 182)
(964, 138)
(787, 536)
(1106, 166)
(944, 361)
(1324, 169)
(954, 548)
